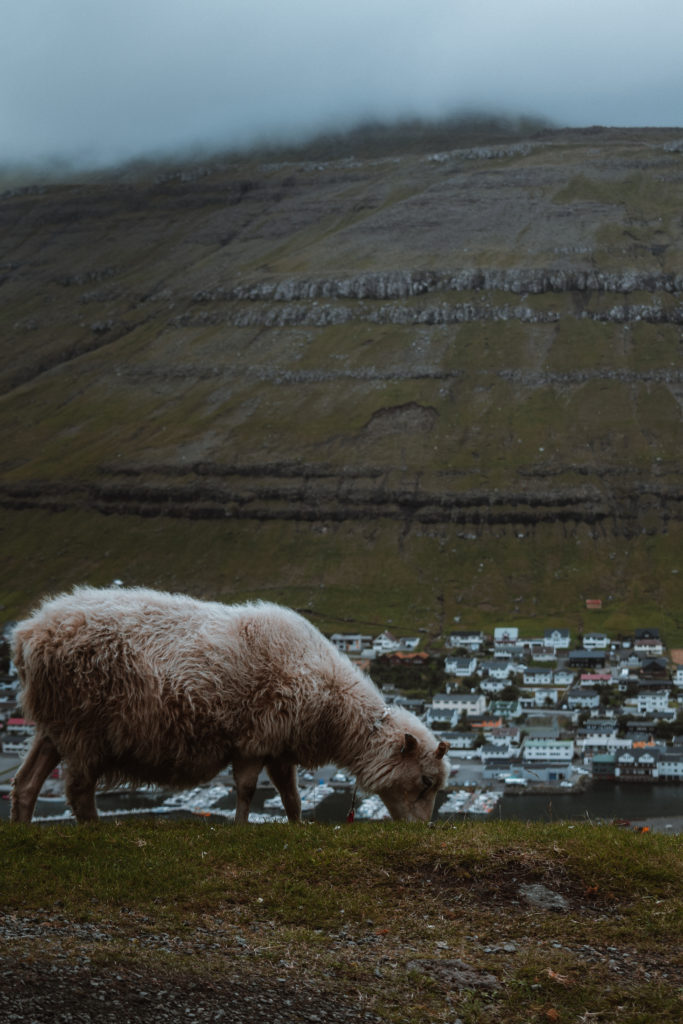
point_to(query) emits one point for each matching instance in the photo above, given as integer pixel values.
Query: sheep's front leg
(80, 793)
(246, 772)
(283, 774)
(42, 758)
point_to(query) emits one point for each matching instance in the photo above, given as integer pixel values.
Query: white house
(537, 676)
(559, 639)
(564, 678)
(18, 745)
(678, 676)
(583, 697)
(21, 725)
(650, 702)
(385, 643)
(501, 669)
(450, 706)
(670, 767)
(459, 741)
(596, 642)
(547, 695)
(506, 709)
(507, 736)
(492, 685)
(637, 764)
(351, 643)
(470, 639)
(651, 648)
(461, 667)
(547, 748)
(539, 650)
(628, 662)
(595, 679)
(600, 734)
(648, 641)
(505, 635)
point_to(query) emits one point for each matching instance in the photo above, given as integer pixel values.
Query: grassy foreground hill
(400, 376)
(502, 921)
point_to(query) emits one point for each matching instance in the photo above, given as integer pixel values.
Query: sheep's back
(138, 673)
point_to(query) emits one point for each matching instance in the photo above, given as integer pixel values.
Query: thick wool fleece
(146, 686)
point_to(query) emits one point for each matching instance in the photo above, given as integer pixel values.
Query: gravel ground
(51, 973)
(59, 971)
(59, 993)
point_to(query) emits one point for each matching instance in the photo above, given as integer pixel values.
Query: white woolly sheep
(147, 687)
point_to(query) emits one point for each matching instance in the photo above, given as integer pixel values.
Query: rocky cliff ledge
(320, 494)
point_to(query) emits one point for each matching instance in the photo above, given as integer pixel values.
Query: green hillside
(400, 376)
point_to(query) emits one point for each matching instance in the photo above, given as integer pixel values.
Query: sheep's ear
(409, 744)
(441, 749)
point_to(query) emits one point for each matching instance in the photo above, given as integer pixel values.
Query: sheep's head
(419, 773)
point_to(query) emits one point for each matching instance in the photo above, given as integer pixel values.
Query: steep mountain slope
(402, 384)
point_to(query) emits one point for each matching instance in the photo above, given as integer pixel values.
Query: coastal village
(549, 714)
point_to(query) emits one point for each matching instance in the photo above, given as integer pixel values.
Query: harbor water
(600, 802)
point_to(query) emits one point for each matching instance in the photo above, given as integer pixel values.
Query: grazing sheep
(147, 687)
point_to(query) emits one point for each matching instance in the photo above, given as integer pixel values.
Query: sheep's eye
(427, 782)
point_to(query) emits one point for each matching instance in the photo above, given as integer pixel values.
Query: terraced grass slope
(378, 382)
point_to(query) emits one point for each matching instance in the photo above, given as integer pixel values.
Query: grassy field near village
(344, 583)
(502, 921)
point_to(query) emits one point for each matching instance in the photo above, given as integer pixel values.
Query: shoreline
(670, 826)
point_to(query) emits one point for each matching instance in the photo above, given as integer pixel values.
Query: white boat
(372, 808)
(484, 803)
(200, 798)
(456, 802)
(465, 801)
(311, 797)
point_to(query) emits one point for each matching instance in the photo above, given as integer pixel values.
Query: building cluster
(548, 711)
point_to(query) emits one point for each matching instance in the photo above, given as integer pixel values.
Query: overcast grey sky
(97, 82)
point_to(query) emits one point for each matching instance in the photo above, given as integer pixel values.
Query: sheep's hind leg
(80, 793)
(283, 774)
(246, 772)
(42, 758)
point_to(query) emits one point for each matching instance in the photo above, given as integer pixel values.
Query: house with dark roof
(351, 643)
(469, 639)
(534, 676)
(583, 697)
(595, 642)
(460, 666)
(653, 668)
(506, 708)
(648, 641)
(497, 669)
(448, 707)
(670, 766)
(559, 639)
(600, 735)
(637, 765)
(591, 660)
